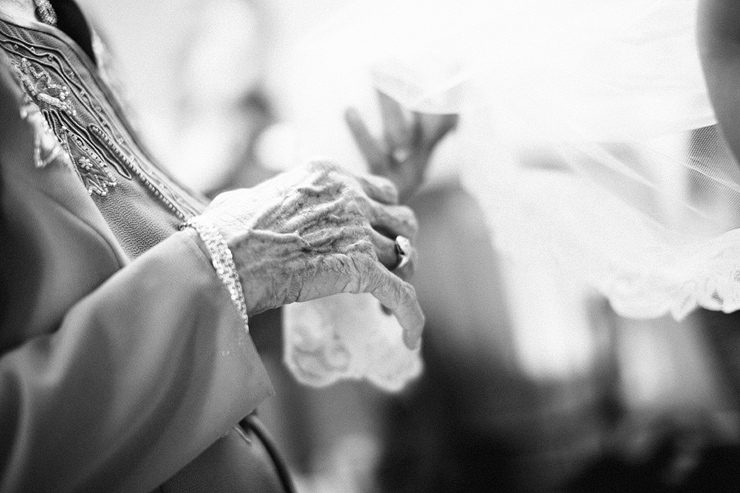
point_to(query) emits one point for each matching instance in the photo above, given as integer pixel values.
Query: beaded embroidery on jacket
(75, 102)
(46, 12)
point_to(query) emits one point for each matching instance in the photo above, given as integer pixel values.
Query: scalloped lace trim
(705, 275)
(347, 337)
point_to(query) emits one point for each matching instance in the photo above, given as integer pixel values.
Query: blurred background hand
(409, 138)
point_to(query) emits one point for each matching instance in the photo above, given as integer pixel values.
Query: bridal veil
(586, 132)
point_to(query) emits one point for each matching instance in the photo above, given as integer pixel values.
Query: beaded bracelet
(222, 260)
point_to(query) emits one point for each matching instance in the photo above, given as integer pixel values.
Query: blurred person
(691, 449)
(650, 412)
(477, 419)
(670, 439)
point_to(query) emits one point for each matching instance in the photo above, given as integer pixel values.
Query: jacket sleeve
(131, 381)
(143, 375)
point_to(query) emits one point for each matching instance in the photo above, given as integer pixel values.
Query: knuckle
(349, 236)
(384, 184)
(390, 189)
(408, 292)
(224, 198)
(414, 226)
(360, 198)
(322, 165)
(363, 252)
(411, 222)
(353, 209)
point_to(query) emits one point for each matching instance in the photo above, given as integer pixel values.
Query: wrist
(216, 249)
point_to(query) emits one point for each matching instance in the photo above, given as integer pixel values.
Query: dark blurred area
(477, 421)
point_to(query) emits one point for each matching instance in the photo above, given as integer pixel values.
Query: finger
(378, 188)
(393, 220)
(330, 221)
(400, 297)
(370, 148)
(385, 249)
(388, 255)
(406, 271)
(435, 127)
(395, 126)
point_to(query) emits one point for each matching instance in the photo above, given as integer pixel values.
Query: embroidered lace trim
(347, 336)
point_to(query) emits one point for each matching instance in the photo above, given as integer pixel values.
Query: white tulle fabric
(586, 134)
(580, 131)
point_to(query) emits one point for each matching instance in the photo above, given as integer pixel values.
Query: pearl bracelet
(222, 260)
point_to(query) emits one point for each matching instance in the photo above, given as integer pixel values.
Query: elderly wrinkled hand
(318, 231)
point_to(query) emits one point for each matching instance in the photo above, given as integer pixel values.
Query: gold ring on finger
(403, 252)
